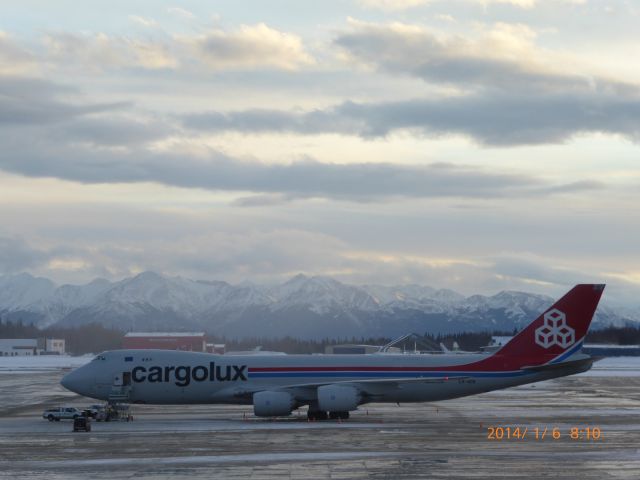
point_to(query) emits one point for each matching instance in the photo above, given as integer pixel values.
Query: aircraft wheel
(317, 415)
(338, 415)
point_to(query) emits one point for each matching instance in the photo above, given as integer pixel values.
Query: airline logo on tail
(555, 330)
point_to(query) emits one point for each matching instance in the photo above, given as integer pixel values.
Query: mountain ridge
(303, 306)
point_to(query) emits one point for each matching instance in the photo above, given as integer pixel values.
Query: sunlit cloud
(473, 145)
(399, 5)
(250, 46)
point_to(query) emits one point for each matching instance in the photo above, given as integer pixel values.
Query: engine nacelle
(338, 398)
(273, 404)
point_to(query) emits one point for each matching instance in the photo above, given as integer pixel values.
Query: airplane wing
(371, 388)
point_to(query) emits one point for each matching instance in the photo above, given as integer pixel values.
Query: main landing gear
(338, 415)
(315, 415)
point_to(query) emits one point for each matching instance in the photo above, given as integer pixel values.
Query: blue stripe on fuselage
(568, 353)
(356, 374)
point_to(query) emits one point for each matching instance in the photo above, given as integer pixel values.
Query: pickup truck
(61, 413)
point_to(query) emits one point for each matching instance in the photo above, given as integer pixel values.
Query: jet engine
(338, 398)
(273, 404)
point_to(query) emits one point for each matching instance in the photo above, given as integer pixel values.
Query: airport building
(350, 349)
(353, 349)
(217, 348)
(53, 346)
(188, 341)
(599, 350)
(612, 350)
(14, 347)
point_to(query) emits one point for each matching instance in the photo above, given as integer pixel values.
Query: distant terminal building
(605, 350)
(51, 346)
(353, 349)
(188, 341)
(496, 343)
(598, 350)
(217, 348)
(14, 347)
(55, 345)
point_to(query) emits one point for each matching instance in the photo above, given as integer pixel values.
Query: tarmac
(438, 440)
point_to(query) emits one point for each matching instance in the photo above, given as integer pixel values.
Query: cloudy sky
(471, 144)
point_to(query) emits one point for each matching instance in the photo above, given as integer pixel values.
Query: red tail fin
(558, 330)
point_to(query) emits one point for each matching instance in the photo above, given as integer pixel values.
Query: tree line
(90, 338)
(95, 338)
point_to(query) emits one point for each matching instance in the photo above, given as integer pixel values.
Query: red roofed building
(189, 341)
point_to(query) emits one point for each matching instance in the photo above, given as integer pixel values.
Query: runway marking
(198, 459)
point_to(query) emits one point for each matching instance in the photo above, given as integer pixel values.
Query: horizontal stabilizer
(581, 365)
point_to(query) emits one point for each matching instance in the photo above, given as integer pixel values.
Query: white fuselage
(176, 377)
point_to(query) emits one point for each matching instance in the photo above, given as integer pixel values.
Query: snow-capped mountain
(305, 307)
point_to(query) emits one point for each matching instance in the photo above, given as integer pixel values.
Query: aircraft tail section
(556, 334)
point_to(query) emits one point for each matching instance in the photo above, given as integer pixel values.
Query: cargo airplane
(334, 385)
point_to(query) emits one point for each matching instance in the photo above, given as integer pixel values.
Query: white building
(13, 347)
(55, 345)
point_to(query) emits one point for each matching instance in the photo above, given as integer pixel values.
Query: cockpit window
(99, 357)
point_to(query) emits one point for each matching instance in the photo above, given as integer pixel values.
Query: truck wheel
(50, 418)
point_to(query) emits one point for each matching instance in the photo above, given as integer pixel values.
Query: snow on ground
(615, 367)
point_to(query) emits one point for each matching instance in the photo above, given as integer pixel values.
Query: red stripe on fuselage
(495, 363)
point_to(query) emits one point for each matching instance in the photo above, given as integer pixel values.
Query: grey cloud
(261, 200)
(485, 63)
(306, 178)
(493, 119)
(17, 255)
(33, 103)
(68, 147)
(527, 267)
(578, 186)
(526, 271)
(113, 130)
(28, 101)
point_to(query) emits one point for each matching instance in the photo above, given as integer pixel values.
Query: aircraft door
(122, 379)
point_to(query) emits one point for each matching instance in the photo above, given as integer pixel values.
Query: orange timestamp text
(515, 432)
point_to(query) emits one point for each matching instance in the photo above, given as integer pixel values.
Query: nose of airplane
(76, 381)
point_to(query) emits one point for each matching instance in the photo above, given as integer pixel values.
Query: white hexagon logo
(555, 330)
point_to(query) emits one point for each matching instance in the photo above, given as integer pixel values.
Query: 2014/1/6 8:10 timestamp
(543, 433)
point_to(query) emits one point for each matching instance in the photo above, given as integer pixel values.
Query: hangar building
(189, 341)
